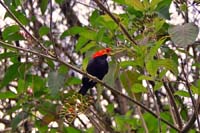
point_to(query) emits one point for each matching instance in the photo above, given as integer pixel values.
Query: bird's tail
(83, 90)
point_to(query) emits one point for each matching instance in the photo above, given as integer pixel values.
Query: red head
(101, 52)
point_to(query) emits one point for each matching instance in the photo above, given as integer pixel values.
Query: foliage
(152, 80)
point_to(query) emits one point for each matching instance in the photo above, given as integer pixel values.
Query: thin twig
(91, 77)
(116, 20)
(21, 25)
(190, 93)
(192, 119)
(51, 28)
(101, 122)
(173, 103)
(138, 108)
(156, 105)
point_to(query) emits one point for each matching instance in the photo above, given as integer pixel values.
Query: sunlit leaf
(154, 49)
(157, 86)
(137, 88)
(81, 42)
(125, 64)
(195, 89)
(143, 77)
(137, 4)
(88, 46)
(182, 93)
(107, 21)
(152, 67)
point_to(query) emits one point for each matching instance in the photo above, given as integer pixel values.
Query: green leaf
(63, 69)
(183, 35)
(37, 83)
(73, 81)
(157, 86)
(110, 76)
(171, 54)
(107, 21)
(195, 89)
(125, 64)
(11, 74)
(81, 42)
(138, 88)
(11, 33)
(154, 4)
(143, 77)
(55, 82)
(136, 4)
(152, 122)
(93, 17)
(158, 24)
(43, 5)
(85, 62)
(169, 64)
(7, 94)
(89, 34)
(110, 108)
(8, 55)
(154, 49)
(87, 47)
(73, 31)
(153, 65)
(22, 18)
(71, 130)
(21, 86)
(128, 79)
(184, 113)
(163, 9)
(59, 1)
(19, 15)
(18, 118)
(182, 93)
(44, 30)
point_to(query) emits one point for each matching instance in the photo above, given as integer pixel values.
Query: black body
(97, 67)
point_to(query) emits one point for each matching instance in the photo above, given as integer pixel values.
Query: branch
(173, 103)
(21, 25)
(51, 31)
(116, 20)
(190, 92)
(91, 77)
(192, 119)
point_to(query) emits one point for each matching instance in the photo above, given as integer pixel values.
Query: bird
(98, 67)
